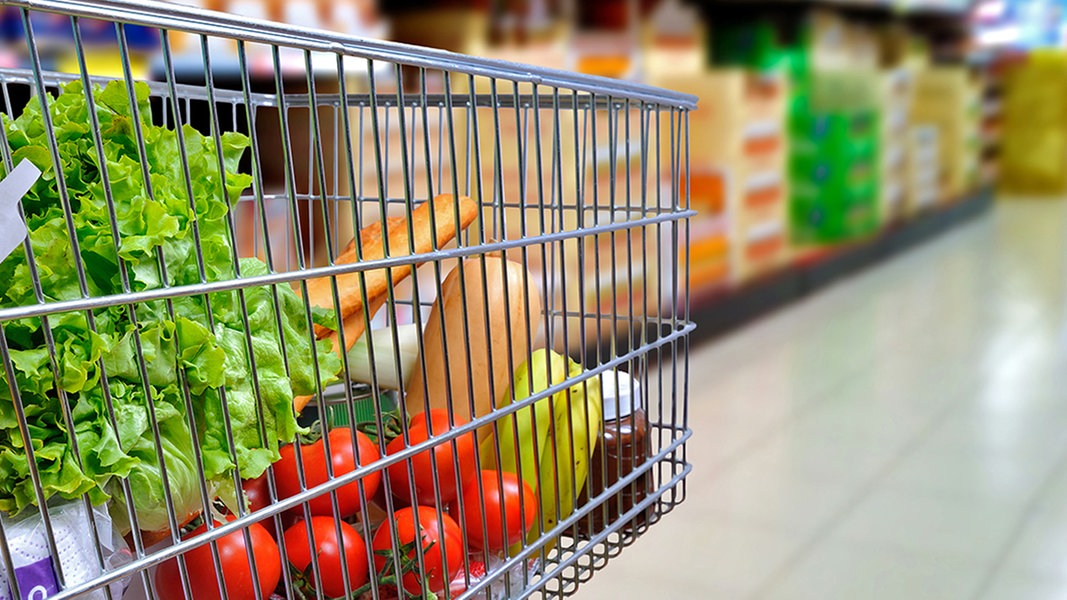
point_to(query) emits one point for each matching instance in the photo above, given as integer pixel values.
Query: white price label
(12, 189)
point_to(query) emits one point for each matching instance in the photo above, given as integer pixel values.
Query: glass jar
(623, 447)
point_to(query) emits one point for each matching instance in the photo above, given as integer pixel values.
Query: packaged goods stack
(674, 39)
(606, 40)
(804, 144)
(834, 162)
(974, 140)
(895, 116)
(910, 156)
(754, 44)
(709, 237)
(447, 25)
(991, 84)
(753, 145)
(755, 150)
(737, 158)
(1034, 137)
(924, 168)
(836, 126)
(947, 98)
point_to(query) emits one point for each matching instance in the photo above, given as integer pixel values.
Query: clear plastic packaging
(27, 545)
(495, 590)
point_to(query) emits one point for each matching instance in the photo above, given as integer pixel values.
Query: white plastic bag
(27, 544)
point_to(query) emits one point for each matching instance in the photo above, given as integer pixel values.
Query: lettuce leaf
(197, 351)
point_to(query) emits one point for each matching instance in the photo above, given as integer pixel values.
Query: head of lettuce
(161, 395)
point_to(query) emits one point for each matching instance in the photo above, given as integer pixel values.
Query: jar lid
(615, 389)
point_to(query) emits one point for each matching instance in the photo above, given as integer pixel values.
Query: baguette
(372, 240)
(320, 291)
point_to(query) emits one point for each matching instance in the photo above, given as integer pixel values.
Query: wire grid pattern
(580, 180)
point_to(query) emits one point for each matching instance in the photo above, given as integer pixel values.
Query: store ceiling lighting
(990, 10)
(999, 36)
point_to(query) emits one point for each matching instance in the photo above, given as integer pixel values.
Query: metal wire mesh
(174, 286)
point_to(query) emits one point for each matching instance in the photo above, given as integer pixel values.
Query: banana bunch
(549, 444)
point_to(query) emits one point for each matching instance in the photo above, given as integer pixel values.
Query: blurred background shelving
(828, 133)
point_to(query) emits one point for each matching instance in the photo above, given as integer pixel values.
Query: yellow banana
(549, 443)
(587, 416)
(516, 443)
(564, 467)
(522, 437)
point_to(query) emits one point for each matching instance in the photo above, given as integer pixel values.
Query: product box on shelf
(740, 133)
(820, 216)
(759, 250)
(856, 89)
(808, 153)
(1033, 141)
(709, 234)
(832, 42)
(946, 97)
(763, 188)
(895, 111)
(674, 39)
(827, 40)
(740, 114)
(893, 200)
(832, 176)
(458, 29)
(758, 224)
(755, 44)
(923, 168)
(894, 178)
(834, 180)
(895, 100)
(831, 127)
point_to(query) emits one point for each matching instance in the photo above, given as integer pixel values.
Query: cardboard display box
(946, 98)
(739, 130)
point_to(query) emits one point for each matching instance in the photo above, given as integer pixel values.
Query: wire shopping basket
(293, 314)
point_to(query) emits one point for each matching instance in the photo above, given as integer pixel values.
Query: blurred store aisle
(900, 435)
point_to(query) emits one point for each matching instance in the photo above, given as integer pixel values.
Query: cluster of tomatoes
(490, 517)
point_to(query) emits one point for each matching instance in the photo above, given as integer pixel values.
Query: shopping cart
(209, 391)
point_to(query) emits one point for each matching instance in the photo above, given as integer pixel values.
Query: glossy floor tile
(901, 434)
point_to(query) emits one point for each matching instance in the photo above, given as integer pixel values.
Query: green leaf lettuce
(198, 351)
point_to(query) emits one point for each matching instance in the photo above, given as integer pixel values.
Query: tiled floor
(901, 435)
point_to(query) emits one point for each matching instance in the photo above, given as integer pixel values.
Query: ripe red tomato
(499, 491)
(329, 549)
(233, 555)
(437, 539)
(421, 465)
(343, 459)
(257, 492)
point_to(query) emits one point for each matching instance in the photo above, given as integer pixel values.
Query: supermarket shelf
(732, 308)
